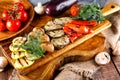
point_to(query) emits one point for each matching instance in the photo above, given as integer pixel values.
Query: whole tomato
(2, 25)
(22, 16)
(13, 25)
(7, 14)
(18, 7)
(74, 10)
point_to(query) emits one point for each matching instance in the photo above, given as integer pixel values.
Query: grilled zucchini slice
(15, 48)
(23, 63)
(18, 40)
(18, 54)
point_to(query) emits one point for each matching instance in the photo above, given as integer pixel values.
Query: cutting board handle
(110, 8)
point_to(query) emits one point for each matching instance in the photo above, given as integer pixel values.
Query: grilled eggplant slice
(62, 21)
(52, 26)
(55, 33)
(60, 42)
(57, 23)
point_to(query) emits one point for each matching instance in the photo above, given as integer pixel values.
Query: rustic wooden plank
(107, 72)
(116, 60)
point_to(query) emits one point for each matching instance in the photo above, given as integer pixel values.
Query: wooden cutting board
(83, 52)
(42, 20)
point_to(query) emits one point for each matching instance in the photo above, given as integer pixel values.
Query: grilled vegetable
(15, 48)
(41, 38)
(85, 23)
(60, 42)
(48, 46)
(62, 21)
(56, 7)
(18, 54)
(38, 30)
(57, 23)
(52, 26)
(23, 63)
(18, 40)
(55, 33)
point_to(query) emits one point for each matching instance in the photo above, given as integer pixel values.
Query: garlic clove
(3, 63)
(1, 70)
(102, 58)
(39, 4)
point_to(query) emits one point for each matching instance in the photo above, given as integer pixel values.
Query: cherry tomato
(74, 10)
(18, 7)
(7, 14)
(22, 16)
(13, 25)
(2, 25)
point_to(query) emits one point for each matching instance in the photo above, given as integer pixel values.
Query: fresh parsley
(90, 12)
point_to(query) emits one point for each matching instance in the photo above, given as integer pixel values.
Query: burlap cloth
(78, 71)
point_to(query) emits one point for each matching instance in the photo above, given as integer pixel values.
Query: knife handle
(110, 8)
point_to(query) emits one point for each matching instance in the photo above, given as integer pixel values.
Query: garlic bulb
(39, 9)
(3, 63)
(102, 58)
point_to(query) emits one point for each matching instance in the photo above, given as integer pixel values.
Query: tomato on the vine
(18, 7)
(13, 25)
(22, 16)
(7, 14)
(2, 25)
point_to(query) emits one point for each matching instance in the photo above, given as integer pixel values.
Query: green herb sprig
(90, 12)
(32, 45)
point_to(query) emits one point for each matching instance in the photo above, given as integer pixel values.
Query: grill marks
(54, 29)
(23, 63)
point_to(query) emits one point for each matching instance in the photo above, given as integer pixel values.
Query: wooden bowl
(7, 4)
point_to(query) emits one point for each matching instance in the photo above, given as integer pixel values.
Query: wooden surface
(40, 21)
(108, 72)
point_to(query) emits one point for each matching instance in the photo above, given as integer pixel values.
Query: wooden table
(110, 71)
